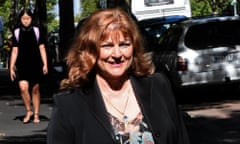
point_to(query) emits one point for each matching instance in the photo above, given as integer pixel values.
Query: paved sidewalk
(12, 130)
(215, 123)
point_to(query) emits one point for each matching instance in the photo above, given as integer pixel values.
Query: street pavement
(214, 123)
(12, 111)
(207, 123)
(12, 129)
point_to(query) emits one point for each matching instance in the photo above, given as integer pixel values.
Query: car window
(157, 30)
(154, 28)
(213, 34)
(170, 39)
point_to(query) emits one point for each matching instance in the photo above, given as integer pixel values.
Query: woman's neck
(26, 28)
(113, 87)
(113, 84)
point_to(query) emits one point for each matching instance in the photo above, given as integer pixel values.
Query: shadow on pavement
(203, 130)
(214, 114)
(31, 139)
(41, 117)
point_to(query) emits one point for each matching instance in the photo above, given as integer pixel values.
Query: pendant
(125, 119)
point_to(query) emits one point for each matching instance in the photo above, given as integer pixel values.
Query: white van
(146, 9)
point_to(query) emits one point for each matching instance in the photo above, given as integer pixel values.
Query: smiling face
(115, 55)
(26, 20)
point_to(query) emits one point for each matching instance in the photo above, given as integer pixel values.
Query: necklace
(125, 117)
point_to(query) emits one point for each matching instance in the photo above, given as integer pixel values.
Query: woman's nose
(116, 51)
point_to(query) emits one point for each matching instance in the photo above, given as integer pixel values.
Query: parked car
(156, 26)
(200, 51)
(153, 28)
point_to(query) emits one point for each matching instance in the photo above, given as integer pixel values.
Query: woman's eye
(106, 46)
(124, 45)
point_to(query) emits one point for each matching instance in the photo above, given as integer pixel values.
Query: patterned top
(132, 132)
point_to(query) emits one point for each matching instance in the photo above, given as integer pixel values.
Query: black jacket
(79, 115)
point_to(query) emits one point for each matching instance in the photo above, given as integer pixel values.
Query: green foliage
(88, 6)
(77, 18)
(6, 8)
(53, 23)
(200, 8)
(210, 7)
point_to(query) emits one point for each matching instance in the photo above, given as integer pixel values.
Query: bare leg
(24, 86)
(36, 102)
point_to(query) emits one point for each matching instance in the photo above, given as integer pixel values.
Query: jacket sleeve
(59, 128)
(173, 109)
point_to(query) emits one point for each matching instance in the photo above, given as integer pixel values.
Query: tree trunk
(41, 11)
(66, 26)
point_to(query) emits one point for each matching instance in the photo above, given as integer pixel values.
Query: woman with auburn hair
(111, 94)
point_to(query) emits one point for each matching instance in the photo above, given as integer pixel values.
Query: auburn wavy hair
(84, 50)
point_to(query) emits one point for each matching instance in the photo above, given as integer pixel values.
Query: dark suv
(200, 51)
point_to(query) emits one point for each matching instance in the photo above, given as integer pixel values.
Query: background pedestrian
(28, 63)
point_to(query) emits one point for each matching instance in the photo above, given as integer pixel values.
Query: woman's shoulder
(155, 80)
(68, 102)
(67, 95)
(64, 92)
(160, 80)
(158, 76)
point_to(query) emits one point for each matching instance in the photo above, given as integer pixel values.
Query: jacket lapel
(142, 87)
(96, 104)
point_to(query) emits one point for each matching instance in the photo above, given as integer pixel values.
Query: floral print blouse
(132, 132)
